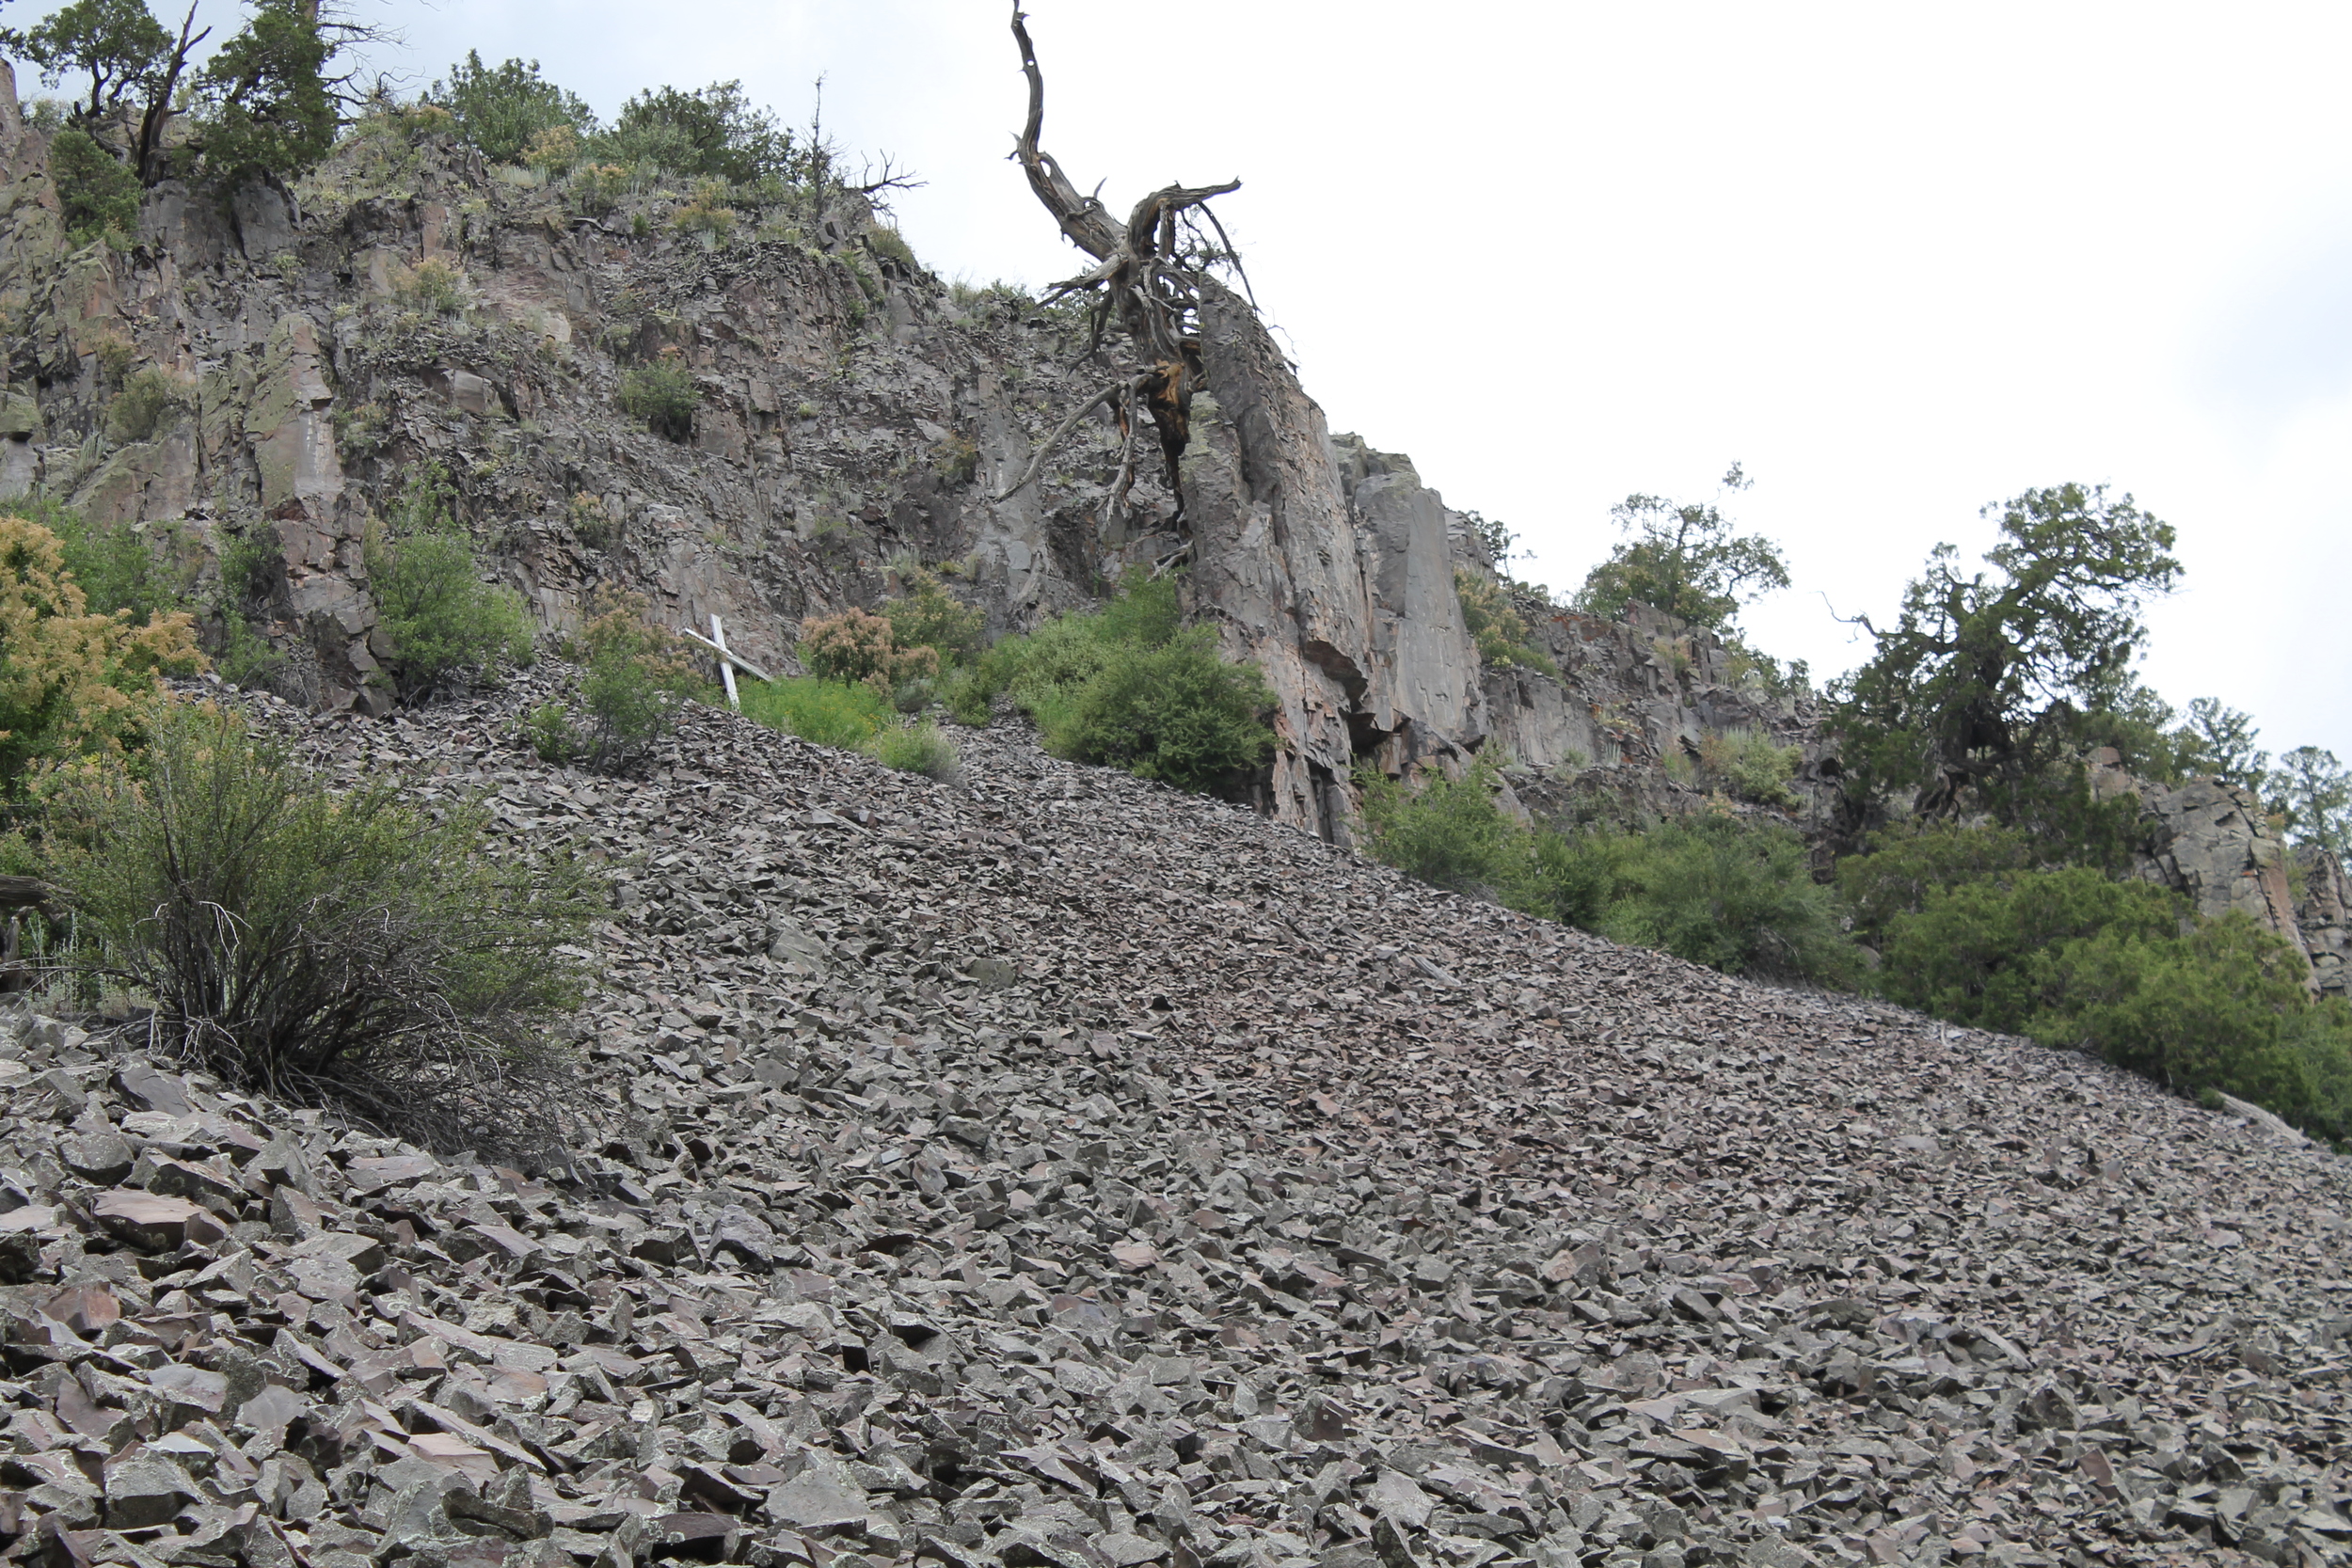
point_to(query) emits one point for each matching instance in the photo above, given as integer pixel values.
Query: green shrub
(1747, 764)
(891, 245)
(919, 748)
(1911, 862)
(663, 395)
(2077, 960)
(442, 620)
(119, 567)
(829, 713)
(245, 657)
(931, 617)
(345, 949)
(1127, 686)
(707, 214)
(1448, 833)
(98, 192)
(1991, 953)
(507, 110)
(1496, 626)
(432, 286)
(713, 132)
(149, 401)
(638, 674)
(1177, 713)
(1732, 894)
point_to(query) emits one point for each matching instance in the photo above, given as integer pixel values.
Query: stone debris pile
(1063, 1171)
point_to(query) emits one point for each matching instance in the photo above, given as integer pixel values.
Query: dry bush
(347, 950)
(857, 646)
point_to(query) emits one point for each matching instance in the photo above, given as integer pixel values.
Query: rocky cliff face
(406, 306)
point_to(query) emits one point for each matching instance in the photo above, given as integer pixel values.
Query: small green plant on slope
(663, 395)
(1128, 685)
(847, 714)
(150, 399)
(855, 646)
(919, 748)
(638, 674)
(1751, 767)
(345, 949)
(443, 622)
(931, 617)
(1735, 895)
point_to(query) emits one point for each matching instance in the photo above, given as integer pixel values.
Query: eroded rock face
(412, 310)
(2325, 918)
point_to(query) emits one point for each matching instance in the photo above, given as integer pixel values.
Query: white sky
(1899, 260)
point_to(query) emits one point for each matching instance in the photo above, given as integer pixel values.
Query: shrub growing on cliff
(1126, 685)
(150, 399)
(1498, 628)
(73, 682)
(1750, 765)
(663, 395)
(349, 948)
(98, 192)
(713, 132)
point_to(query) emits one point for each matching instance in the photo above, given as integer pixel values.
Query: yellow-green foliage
(432, 286)
(1748, 763)
(918, 748)
(150, 399)
(597, 188)
(891, 245)
(829, 713)
(639, 674)
(1497, 626)
(708, 214)
(72, 683)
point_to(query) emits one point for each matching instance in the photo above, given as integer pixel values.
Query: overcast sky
(1900, 261)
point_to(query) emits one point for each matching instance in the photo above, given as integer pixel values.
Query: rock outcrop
(411, 311)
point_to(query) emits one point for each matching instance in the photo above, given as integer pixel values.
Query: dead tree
(1148, 275)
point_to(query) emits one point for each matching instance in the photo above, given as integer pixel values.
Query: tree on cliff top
(1682, 557)
(1977, 695)
(265, 103)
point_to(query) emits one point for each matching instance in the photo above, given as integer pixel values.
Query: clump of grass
(432, 286)
(919, 748)
(829, 713)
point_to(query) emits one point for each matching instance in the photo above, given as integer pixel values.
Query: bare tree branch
(1037, 459)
